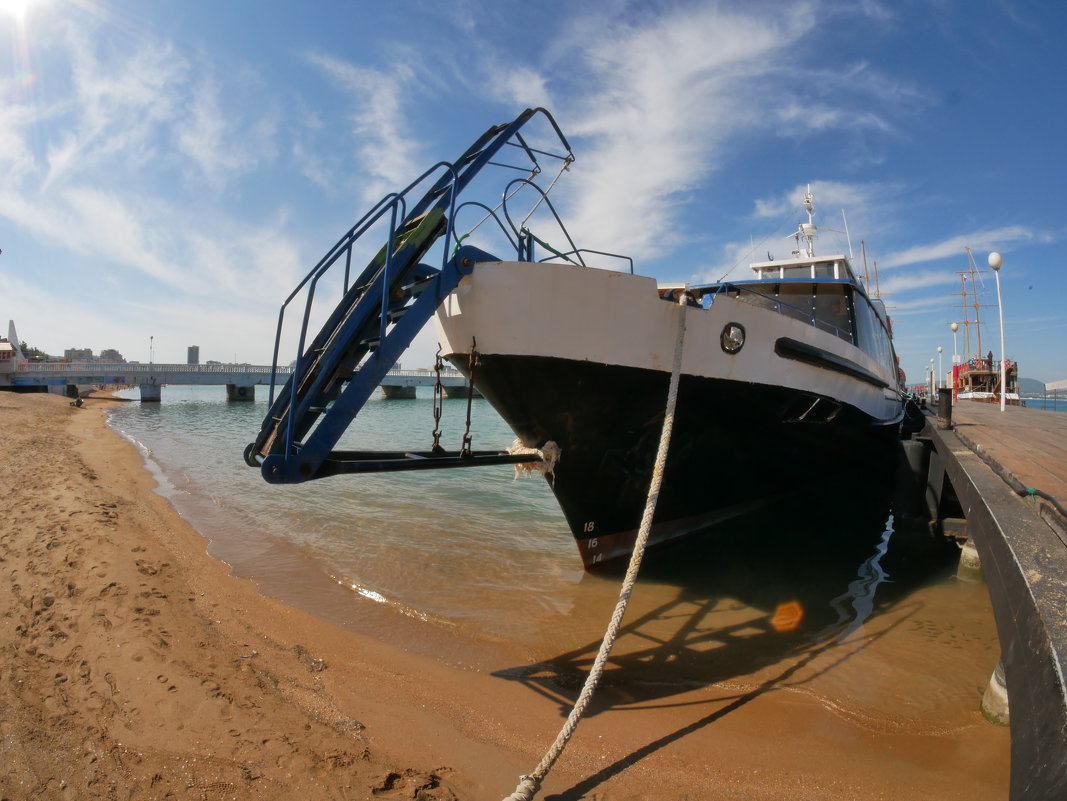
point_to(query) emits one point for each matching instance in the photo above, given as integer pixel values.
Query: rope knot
(526, 789)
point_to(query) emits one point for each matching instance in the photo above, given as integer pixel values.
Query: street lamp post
(151, 348)
(933, 378)
(994, 263)
(940, 365)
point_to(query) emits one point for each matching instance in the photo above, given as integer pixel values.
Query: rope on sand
(529, 785)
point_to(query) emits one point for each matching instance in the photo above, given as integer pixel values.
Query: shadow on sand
(764, 600)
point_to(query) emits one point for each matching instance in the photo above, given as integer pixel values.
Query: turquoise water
(1048, 404)
(479, 569)
(454, 548)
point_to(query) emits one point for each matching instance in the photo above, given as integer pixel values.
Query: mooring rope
(529, 785)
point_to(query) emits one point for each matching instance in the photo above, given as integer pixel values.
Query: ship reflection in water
(844, 604)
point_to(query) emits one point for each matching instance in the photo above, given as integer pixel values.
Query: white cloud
(520, 86)
(923, 305)
(661, 99)
(905, 282)
(980, 240)
(386, 148)
(211, 135)
(117, 107)
(16, 157)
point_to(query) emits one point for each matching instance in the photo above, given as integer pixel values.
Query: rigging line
(544, 195)
(503, 201)
(773, 234)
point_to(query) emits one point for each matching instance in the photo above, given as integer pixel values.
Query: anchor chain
(472, 362)
(438, 392)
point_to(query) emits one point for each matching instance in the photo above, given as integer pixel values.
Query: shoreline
(132, 659)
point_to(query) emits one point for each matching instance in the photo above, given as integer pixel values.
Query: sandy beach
(134, 666)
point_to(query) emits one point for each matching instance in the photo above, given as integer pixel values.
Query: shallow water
(479, 569)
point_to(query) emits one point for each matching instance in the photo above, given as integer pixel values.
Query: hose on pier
(529, 785)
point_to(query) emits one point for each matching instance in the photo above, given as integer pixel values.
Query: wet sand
(132, 665)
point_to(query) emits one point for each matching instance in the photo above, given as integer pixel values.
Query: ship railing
(707, 294)
(580, 251)
(520, 238)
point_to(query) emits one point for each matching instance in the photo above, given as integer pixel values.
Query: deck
(1029, 444)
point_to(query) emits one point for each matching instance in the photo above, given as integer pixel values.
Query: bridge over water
(240, 380)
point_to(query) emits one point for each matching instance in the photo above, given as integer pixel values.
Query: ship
(979, 377)
(787, 376)
(788, 379)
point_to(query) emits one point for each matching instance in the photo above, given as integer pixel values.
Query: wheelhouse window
(796, 301)
(832, 309)
(871, 334)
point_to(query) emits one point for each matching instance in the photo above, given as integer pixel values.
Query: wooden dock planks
(1029, 443)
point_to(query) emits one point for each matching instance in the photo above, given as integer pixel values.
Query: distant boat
(979, 380)
(978, 377)
(786, 377)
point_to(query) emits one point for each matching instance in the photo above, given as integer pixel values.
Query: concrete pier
(235, 392)
(995, 699)
(987, 466)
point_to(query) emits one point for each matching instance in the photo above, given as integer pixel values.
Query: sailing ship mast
(970, 301)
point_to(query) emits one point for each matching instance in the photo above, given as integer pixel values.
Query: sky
(169, 170)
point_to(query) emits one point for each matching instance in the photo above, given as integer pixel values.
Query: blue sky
(171, 168)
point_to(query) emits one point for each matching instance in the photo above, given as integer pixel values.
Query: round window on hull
(732, 338)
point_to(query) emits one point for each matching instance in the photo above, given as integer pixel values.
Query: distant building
(112, 356)
(78, 354)
(7, 356)
(193, 355)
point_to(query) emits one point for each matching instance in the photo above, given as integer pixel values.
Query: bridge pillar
(459, 391)
(393, 392)
(236, 393)
(151, 393)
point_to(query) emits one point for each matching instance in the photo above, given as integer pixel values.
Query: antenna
(848, 238)
(866, 277)
(808, 229)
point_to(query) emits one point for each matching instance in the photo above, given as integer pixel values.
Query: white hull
(611, 318)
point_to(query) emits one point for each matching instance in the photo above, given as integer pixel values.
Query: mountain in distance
(1031, 386)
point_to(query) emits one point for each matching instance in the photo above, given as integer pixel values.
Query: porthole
(732, 338)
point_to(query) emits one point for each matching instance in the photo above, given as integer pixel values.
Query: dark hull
(735, 446)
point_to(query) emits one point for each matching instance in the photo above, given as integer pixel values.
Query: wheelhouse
(824, 293)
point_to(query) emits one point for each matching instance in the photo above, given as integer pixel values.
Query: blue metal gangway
(383, 309)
